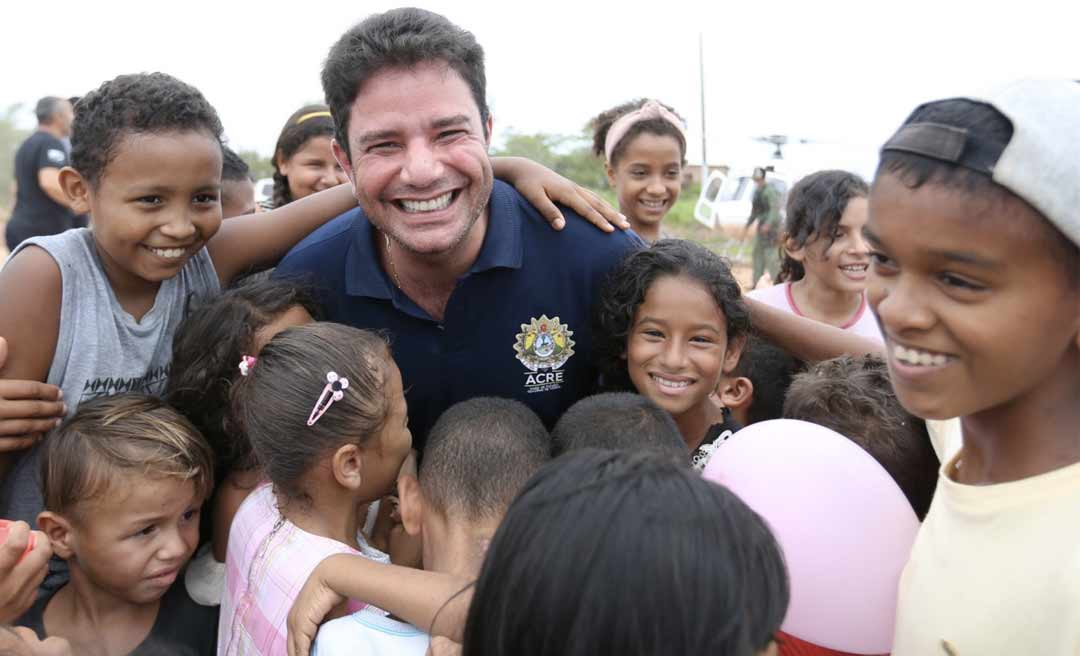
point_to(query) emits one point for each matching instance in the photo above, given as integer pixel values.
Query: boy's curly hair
(141, 103)
(625, 288)
(854, 397)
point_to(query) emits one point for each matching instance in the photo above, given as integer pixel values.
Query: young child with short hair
(975, 244)
(755, 389)
(643, 144)
(123, 482)
(853, 397)
(671, 323)
(825, 259)
(324, 409)
(237, 187)
(620, 421)
(478, 456)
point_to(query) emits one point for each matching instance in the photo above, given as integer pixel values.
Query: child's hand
(28, 409)
(441, 646)
(310, 608)
(543, 187)
(21, 572)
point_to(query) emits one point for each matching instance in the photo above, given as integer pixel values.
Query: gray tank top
(101, 349)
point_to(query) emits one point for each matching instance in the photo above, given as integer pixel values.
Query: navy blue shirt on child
(517, 325)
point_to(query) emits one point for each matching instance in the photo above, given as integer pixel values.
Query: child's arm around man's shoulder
(30, 297)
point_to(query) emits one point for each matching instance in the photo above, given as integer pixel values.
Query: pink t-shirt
(269, 559)
(862, 323)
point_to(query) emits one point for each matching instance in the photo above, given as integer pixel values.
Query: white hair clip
(333, 391)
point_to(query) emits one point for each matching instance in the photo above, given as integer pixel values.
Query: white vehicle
(726, 199)
(264, 189)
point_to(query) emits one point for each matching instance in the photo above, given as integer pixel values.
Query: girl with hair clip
(824, 271)
(643, 144)
(324, 409)
(212, 339)
(705, 577)
(671, 323)
(303, 159)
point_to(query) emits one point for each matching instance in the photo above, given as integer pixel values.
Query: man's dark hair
(853, 396)
(478, 456)
(46, 107)
(233, 167)
(147, 103)
(769, 369)
(617, 420)
(399, 38)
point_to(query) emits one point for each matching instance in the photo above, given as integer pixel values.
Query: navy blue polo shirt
(518, 324)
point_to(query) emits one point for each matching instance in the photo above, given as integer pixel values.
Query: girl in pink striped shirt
(325, 412)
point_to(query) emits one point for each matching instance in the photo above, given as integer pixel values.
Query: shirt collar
(502, 247)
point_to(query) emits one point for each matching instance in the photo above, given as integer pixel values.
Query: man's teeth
(427, 205)
(918, 358)
(169, 253)
(671, 384)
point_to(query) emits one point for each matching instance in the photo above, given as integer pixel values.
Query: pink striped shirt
(269, 559)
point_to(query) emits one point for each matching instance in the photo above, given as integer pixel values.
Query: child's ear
(610, 172)
(343, 160)
(411, 503)
(347, 465)
(792, 249)
(58, 529)
(735, 393)
(282, 163)
(76, 188)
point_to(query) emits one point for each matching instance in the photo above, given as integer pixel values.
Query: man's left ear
(343, 161)
(488, 125)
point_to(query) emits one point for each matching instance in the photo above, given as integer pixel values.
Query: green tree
(565, 154)
(261, 167)
(10, 139)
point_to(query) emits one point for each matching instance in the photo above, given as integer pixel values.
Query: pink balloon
(845, 527)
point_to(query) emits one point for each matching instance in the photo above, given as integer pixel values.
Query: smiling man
(479, 296)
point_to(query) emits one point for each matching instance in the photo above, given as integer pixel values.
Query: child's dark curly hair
(140, 103)
(306, 123)
(658, 126)
(625, 288)
(814, 207)
(207, 350)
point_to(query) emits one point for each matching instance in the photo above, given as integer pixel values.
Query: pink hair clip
(246, 363)
(333, 391)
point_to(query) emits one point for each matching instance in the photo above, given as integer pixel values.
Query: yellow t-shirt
(995, 570)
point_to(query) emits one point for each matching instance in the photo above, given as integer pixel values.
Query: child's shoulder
(778, 296)
(182, 626)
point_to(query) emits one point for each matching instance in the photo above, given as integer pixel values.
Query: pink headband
(622, 125)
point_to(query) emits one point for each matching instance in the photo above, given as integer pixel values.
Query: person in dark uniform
(41, 208)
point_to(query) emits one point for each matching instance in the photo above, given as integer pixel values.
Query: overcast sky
(843, 74)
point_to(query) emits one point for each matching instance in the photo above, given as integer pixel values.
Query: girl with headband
(643, 144)
(303, 160)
